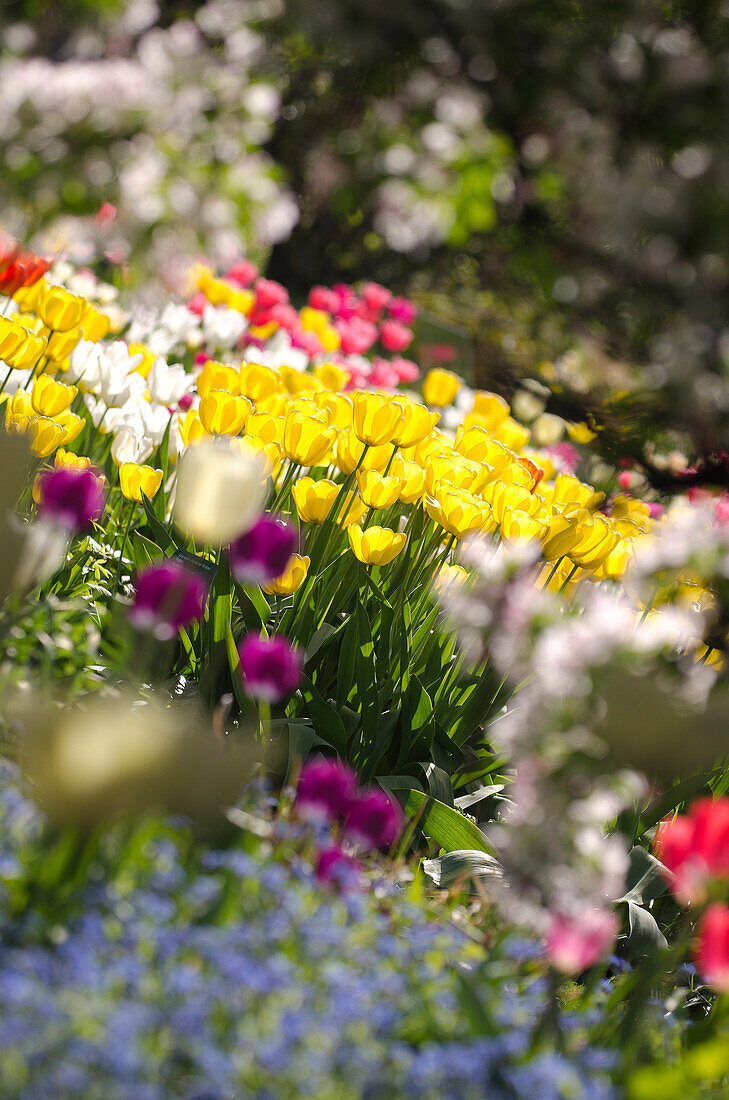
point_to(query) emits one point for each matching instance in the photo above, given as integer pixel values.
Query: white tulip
(223, 327)
(130, 447)
(84, 365)
(220, 492)
(167, 383)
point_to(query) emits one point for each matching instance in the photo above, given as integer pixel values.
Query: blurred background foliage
(549, 175)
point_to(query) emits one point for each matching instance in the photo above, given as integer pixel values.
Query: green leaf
(646, 878)
(644, 936)
(348, 661)
(439, 783)
(465, 800)
(327, 723)
(445, 825)
(367, 694)
(165, 539)
(464, 864)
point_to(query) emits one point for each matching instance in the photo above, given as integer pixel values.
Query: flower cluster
(367, 818)
(163, 128)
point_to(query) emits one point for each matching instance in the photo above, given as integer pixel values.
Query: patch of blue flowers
(203, 973)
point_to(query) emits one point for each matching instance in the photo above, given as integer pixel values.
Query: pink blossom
(357, 336)
(269, 293)
(625, 479)
(383, 375)
(167, 596)
(197, 303)
(375, 296)
(394, 336)
(374, 820)
(106, 214)
(326, 789)
(201, 358)
(322, 297)
(337, 869)
(403, 310)
(270, 667)
(308, 341)
(347, 302)
(574, 943)
(566, 458)
(242, 272)
(694, 848)
(185, 402)
(406, 369)
(712, 949)
(721, 509)
(71, 498)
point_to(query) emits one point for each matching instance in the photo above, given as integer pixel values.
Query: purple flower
(335, 868)
(270, 667)
(168, 596)
(262, 554)
(71, 497)
(326, 790)
(373, 821)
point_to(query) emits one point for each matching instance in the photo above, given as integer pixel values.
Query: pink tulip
(243, 272)
(322, 297)
(376, 297)
(406, 369)
(712, 949)
(394, 336)
(403, 310)
(694, 848)
(357, 336)
(269, 293)
(574, 943)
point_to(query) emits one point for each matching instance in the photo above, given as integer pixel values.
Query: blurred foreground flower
(72, 497)
(220, 492)
(167, 596)
(712, 949)
(326, 790)
(575, 943)
(261, 555)
(127, 754)
(336, 868)
(270, 667)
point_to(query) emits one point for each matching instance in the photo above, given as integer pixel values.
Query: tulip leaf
(468, 863)
(465, 800)
(367, 693)
(327, 723)
(445, 825)
(644, 936)
(646, 879)
(439, 783)
(348, 661)
(164, 536)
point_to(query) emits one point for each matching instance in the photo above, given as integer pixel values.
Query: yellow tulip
(258, 381)
(416, 425)
(376, 545)
(28, 297)
(262, 332)
(72, 426)
(349, 451)
(61, 344)
(519, 527)
(512, 434)
(49, 397)
(580, 433)
(627, 508)
(378, 491)
(271, 452)
(275, 404)
(266, 427)
(20, 404)
(448, 577)
(217, 376)
(570, 490)
(44, 435)
(292, 579)
(561, 535)
(135, 480)
(376, 417)
(458, 512)
(440, 387)
(332, 376)
(12, 339)
(314, 500)
(478, 445)
(191, 428)
(330, 338)
(242, 301)
(95, 325)
(70, 461)
(434, 444)
(216, 291)
(338, 407)
(506, 496)
(491, 407)
(60, 310)
(413, 481)
(148, 359)
(307, 406)
(598, 539)
(222, 413)
(307, 441)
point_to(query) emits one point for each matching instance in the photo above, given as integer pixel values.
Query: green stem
(123, 547)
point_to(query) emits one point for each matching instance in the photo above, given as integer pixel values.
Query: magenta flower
(373, 821)
(270, 667)
(242, 272)
(403, 310)
(326, 790)
(376, 296)
(261, 555)
(168, 596)
(335, 868)
(70, 497)
(394, 336)
(269, 293)
(712, 949)
(574, 943)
